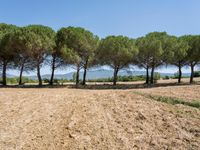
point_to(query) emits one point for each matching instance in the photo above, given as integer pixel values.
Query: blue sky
(132, 18)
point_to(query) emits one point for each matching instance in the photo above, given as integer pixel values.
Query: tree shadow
(104, 86)
(130, 86)
(34, 86)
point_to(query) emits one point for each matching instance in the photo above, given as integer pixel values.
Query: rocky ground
(66, 118)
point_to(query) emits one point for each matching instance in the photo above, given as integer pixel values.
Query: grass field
(101, 118)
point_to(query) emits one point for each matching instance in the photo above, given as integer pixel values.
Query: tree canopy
(117, 52)
(7, 52)
(44, 42)
(154, 50)
(28, 48)
(193, 56)
(78, 46)
(180, 51)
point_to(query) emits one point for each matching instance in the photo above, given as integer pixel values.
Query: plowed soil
(64, 118)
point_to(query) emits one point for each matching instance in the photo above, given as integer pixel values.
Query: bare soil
(64, 118)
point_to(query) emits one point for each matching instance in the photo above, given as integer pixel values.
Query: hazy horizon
(163, 69)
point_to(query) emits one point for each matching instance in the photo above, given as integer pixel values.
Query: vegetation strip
(30, 47)
(171, 100)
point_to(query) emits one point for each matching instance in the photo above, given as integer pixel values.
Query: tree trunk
(4, 73)
(179, 73)
(152, 75)
(147, 75)
(85, 72)
(192, 73)
(77, 75)
(20, 76)
(115, 76)
(39, 76)
(53, 70)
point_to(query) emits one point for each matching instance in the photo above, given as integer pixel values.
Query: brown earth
(64, 118)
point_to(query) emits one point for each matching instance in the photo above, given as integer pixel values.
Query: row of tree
(28, 48)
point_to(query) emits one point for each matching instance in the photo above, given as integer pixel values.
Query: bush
(157, 76)
(197, 74)
(15, 80)
(74, 77)
(56, 81)
(166, 78)
(120, 79)
(45, 80)
(12, 80)
(176, 75)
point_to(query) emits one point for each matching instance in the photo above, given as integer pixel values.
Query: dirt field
(64, 118)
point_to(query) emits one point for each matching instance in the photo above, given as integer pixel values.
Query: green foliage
(27, 48)
(157, 76)
(159, 45)
(166, 78)
(78, 46)
(197, 74)
(45, 80)
(194, 48)
(22, 42)
(56, 81)
(131, 78)
(154, 50)
(176, 75)
(152, 46)
(74, 76)
(44, 43)
(174, 101)
(179, 51)
(62, 81)
(120, 78)
(44, 40)
(7, 53)
(76, 43)
(171, 100)
(116, 51)
(15, 80)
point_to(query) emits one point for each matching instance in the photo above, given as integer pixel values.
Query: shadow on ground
(123, 86)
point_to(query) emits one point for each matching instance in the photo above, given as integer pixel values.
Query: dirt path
(93, 119)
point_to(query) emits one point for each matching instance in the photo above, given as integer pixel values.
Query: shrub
(166, 77)
(197, 74)
(176, 75)
(157, 76)
(120, 79)
(45, 80)
(56, 81)
(15, 80)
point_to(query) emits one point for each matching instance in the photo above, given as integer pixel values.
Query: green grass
(15, 80)
(172, 100)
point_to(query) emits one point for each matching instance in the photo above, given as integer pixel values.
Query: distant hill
(100, 73)
(8, 75)
(96, 74)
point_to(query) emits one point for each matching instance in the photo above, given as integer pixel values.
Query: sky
(133, 18)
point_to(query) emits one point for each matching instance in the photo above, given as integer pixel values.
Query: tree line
(27, 49)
